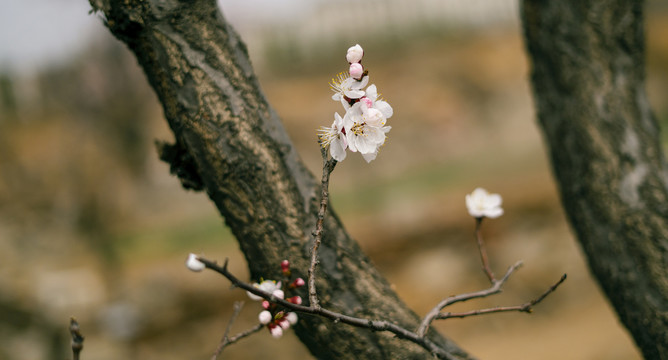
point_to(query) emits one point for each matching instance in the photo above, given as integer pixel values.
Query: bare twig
(327, 168)
(483, 251)
(238, 305)
(77, 338)
(526, 307)
(494, 289)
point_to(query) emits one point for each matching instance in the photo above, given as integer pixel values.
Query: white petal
(372, 92)
(384, 108)
(369, 157)
(354, 94)
(337, 149)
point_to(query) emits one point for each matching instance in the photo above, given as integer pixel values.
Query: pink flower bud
(356, 70)
(299, 282)
(266, 304)
(264, 317)
(276, 331)
(285, 267)
(354, 54)
(297, 300)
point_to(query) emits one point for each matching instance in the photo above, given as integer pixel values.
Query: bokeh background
(93, 226)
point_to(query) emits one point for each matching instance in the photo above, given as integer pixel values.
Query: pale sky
(35, 33)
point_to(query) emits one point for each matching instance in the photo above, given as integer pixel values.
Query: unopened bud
(194, 264)
(354, 54)
(266, 304)
(299, 282)
(291, 317)
(285, 324)
(264, 317)
(297, 300)
(356, 71)
(276, 331)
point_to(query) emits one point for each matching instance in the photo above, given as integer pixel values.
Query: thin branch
(77, 338)
(526, 307)
(327, 168)
(483, 251)
(376, 325)
(238, 305)
(494, 289)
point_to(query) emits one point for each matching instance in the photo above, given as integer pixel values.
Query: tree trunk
(231, 143)
(588, 78)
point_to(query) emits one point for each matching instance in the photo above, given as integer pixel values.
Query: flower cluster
(362, 128)
(482, 204)
(273, 316)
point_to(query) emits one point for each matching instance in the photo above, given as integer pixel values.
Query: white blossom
(334, 138)
(345, 86)
(268, 286)
(354, 54)
(365, 131)
(372, 99)
(481, 204)
(194, 264)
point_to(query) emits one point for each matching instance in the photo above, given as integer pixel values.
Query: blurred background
(93, 226)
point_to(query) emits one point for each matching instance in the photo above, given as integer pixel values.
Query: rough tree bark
(230, 143)
(588, 78)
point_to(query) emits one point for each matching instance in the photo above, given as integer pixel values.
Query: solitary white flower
(267, 286)
(481, 204)
(265, 317)
(334, 138)
(194, 264)
(354, 54)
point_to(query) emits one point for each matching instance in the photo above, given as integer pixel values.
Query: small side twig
(483, 251)
(436, 310)
(327, 168)
(526, 307)
(77, 338)
(225, 340)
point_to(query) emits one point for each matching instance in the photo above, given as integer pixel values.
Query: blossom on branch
(362, 129)
(274, 316)
(482, 204)
(269, 286)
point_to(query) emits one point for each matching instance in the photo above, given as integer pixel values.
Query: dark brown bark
(588, 79)
(231, 143)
